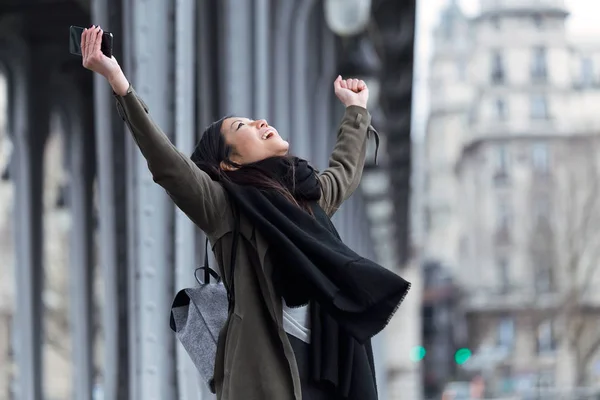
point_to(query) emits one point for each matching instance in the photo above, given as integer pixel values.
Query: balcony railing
(523, 5)
(509, 298)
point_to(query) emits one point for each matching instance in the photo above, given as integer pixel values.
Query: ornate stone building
(510, 189)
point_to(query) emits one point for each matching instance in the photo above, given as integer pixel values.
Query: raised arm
(192, 190)
(346, 163)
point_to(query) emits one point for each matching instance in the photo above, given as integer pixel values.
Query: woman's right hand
(95, 60)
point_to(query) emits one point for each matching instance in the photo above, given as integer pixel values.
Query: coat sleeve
(346, 163)
(193, 191)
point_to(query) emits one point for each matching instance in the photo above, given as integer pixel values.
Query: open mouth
(268, 134)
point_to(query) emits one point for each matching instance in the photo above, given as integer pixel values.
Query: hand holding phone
(93, 57)
(75, 34)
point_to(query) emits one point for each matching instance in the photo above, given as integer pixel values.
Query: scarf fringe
(408, 287)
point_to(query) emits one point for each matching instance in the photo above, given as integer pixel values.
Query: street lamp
(347, 17)
(380, 210)
(375, 183)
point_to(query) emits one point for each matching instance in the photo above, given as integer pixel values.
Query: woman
(304, 305)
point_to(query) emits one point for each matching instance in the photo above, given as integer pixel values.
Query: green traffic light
(462, 356)
(417, 353)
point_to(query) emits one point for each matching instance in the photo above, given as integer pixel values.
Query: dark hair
(212, 151)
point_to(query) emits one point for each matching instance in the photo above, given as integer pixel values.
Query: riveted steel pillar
(262, 39)
(208, 76)
(396, 26)
(107, 253)
(322, 100)
(282, 85)
(237, 82)
(131, 204)
(207, 106)
(30, 121)
(77, 122)
(185, 127)
(300, 128)
(112, 221)
(353, 234)
(121, 235)
(152, 56)
(366, 241)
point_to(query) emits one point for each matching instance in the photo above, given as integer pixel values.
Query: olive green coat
(255, 360)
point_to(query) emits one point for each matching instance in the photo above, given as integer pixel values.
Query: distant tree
(565, 251)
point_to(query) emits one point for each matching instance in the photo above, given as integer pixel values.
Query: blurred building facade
(510, 190)
(92, 251)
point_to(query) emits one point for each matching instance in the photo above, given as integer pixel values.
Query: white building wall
(401, 336)
(470, 136)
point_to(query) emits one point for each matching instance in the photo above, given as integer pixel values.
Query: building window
(506, 333)
(543, 278)
(538, 22)
(497, 68)
(461, 69)
(495, 22)
(506, 382)
(501, 161)
(542, 208)
(587, 72)
(545, 337)
(464, 247)
(540, 158)
(539, 107)
(500, 109)
(546, 379)
(503, 215)
(472, 115)
(539, 65)
(503, 275)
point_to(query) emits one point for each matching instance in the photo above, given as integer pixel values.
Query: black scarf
(352, 298)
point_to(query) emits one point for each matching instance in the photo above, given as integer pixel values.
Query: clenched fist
(351, 92)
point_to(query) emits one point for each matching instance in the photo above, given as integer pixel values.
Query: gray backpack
(198, 314)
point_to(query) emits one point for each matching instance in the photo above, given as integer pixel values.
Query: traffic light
(462, 356)
(417, 353)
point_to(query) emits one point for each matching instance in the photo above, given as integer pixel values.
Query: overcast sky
(584, 22)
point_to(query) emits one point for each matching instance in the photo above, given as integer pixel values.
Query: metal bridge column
(262, 40)
(237, 82)
(151, 51)
(282, 76)
(80, 158)
(322, 101)
(301, 130)
(188, 384)
(30, 122)
(112, 228)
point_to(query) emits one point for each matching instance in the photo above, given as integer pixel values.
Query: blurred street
(505, 195)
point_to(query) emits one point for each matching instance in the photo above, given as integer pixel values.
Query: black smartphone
(75, 33)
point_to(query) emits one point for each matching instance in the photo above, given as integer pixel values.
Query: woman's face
(251, 140)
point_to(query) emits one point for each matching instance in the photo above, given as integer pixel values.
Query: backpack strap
(208, 272)
(207, 269)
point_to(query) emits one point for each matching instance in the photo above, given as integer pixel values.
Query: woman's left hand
(351, 92)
